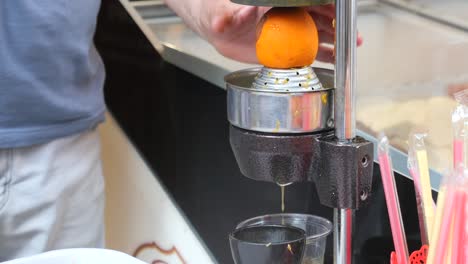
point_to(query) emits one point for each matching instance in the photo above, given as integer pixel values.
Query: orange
(287, 37)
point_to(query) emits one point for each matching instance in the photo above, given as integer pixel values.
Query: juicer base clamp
(342, 172)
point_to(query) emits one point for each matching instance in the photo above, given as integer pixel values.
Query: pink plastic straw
(464, 256)
(459, 117)
(457, 152)
(459, 226)
(441, 244)
(393, 204)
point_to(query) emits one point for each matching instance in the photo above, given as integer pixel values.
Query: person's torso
(51, 76)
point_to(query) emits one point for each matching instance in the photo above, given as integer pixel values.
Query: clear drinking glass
(316, 228)
(267, 244)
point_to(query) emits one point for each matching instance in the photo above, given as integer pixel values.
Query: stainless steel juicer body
(285, 130)
(285, 134)
(281, 101)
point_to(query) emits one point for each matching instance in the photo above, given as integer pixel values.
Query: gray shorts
(51, 196)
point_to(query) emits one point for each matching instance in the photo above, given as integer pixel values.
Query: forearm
(231, 28)
(188, 10)
(200, 15)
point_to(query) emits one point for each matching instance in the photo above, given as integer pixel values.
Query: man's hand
(231, 28)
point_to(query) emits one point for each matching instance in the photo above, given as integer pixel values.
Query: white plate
(78, 256)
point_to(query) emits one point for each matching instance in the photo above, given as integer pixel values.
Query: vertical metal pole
(342, 236)
(345, 69)
(345, 121)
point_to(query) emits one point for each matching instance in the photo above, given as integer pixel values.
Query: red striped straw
(393, 204)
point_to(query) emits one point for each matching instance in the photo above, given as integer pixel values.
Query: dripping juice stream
(283, 187)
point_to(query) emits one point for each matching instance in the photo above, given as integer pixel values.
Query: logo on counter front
(154, 254)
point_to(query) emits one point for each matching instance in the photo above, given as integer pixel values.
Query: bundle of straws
(443, 226)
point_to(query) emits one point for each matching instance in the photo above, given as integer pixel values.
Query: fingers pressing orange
(287, 38)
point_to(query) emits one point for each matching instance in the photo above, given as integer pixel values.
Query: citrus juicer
(298, 125)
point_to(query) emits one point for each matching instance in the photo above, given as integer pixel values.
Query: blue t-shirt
(51, 76)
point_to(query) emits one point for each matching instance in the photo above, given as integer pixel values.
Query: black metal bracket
(344, 176)
(342, 172)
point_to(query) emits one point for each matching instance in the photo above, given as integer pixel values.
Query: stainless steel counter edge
(429, 13)
(214, 73)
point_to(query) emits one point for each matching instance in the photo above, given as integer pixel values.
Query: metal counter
(405, 66)
(451, 12)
